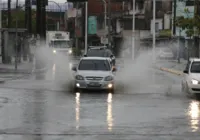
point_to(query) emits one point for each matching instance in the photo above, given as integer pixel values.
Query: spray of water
(131, 75)
(135, 74)
(140, 74)
(58, 65)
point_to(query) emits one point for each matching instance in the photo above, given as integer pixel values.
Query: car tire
(197, 96)
(75, 89)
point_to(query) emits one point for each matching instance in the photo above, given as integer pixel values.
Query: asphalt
(146, 105)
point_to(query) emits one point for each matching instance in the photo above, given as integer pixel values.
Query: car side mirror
(74, 68)
(114, 69)
(185, 71)
(111, 56)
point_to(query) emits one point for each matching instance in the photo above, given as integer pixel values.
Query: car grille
(94, 78)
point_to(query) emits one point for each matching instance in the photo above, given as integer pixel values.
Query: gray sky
(59, 1)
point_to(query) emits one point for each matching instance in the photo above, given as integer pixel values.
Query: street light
(105, 15)
(133, 32)
(16, 34)
(60, 11)
(154, 29)
(86, 26)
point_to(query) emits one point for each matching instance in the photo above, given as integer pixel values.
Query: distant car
(94, 73)
(101, 52)
(191, 80)
(165, 54)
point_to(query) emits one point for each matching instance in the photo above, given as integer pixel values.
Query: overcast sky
(58, 1)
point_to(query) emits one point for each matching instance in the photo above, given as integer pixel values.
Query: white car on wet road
(191, 79)
(94, 73)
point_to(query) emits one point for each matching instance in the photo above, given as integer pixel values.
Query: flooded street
(42, 109)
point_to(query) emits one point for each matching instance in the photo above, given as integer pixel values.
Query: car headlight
(70, 51)
(79, 77)
(108, 78)
(54, 51)
(195, 82)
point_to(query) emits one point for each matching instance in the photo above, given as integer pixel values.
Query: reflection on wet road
(193, 113)
(77, 109)
(44, 109)
(109, 112)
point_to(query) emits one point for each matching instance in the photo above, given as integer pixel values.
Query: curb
(176, 72)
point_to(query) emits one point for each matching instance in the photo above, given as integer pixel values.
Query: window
(60, 44)
(189, 3)
(98, 65)
(195, 68)
(157, 27)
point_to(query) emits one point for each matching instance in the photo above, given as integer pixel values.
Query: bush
(76, 51)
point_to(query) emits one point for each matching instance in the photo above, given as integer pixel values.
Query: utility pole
(76, 20)
(28, 16)
(105, 17)
(174, 20)
(86, 26)
(154, 29)
(109, 23)
(179, 47)
(16, 38)
(38, 17)
(133, 32)
(9, 13)
(43, 19)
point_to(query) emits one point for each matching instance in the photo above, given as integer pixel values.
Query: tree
(21, 19)
(190, 25)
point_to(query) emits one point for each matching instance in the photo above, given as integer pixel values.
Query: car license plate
(94, 84)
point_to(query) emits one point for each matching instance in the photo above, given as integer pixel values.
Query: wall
(160, 24)
(167, 21)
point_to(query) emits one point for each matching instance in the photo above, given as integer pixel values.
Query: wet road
(148, 108)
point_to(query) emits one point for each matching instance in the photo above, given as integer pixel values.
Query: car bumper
(102, 85)
(194, 89)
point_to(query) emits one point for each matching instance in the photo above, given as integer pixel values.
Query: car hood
(195, 76)
(94, 73)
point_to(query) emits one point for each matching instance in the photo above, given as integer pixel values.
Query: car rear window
(101, 65)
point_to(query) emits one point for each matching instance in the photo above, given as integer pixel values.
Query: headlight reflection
(193, 112)
(77, 110)
(109, 112)
(54, 71)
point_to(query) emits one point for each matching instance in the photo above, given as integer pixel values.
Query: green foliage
(191, 25)
(76, 51)
(20, 16)
(165, 33)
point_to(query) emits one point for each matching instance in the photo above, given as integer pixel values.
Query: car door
(186, 75)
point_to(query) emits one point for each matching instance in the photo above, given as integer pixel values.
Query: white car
(94, 73)
(191, 79)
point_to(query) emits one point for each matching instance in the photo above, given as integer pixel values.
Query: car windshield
(99, 65)
(60, 44)
(99, 53)
(195, 68)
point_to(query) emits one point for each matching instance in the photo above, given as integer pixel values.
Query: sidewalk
(172, 66)
(25, 67)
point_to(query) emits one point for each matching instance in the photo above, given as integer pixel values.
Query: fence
(51, 7)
